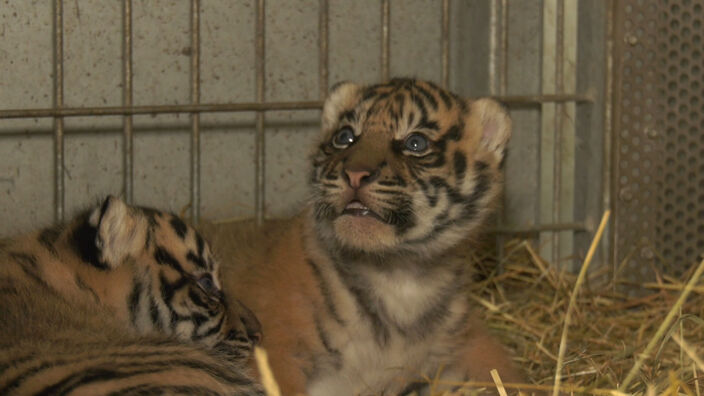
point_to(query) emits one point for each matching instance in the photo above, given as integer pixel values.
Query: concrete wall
(93, 146)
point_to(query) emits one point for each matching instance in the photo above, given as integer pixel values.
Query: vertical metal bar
(259, 144)
(559, 108)
(127, 147)
(493, 46)
(503, 88)
(503, 59)
(498, 75)
(58, 103)
(323, 48)
(547, 128)
(612, 123)
(385, 39)
(568, 114)
(445, 44)
(195, 117)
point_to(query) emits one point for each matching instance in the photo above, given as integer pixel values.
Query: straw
(267, 377)
(663, 327)
(573, 299)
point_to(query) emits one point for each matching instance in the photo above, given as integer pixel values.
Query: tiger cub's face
(405, 166)
(175, 286)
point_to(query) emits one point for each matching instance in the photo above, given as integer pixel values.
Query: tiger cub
(360, 294)
(85, 308)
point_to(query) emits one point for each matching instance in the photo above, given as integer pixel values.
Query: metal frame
(498, 71)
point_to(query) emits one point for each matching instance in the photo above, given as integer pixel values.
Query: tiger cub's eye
(343, 138)
(206, 283)
(416, 143)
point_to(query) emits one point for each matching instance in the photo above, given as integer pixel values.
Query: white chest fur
(370, 364)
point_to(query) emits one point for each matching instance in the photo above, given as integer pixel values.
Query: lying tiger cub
(360, 294)
(83, 306)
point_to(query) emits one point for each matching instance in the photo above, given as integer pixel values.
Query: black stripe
(428, 97)
(198, 299)
(454, 132)
(48, 237)
(85, 287)
(91, 376)
(154, 313)
(200, 243)
(365, 303)
(162, 256)
(83, 241)
(25, 260)
(470, 203)
(197, 260)
(179, 227)
(129, 369)
(421, 107)
(99, 353)
(28, 264)
(325, 292)
(402, 218)
(387, 192)
(348, 116)
(133, 300)
(149, 389)
(333, 353)
(460, 164)
(212, 331)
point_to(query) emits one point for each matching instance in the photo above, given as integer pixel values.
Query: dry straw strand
(689, 351)
(573, 299)
(270, 386)
(499, 384)
(663, 326)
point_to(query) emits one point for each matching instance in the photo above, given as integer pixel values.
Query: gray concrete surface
(93, 77)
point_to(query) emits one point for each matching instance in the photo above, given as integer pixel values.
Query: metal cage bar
(127, 80)
(503, 58)
(557, 155)
(195, 116)
(58, 104)
(509, 100)
(323, 13)
(259, 143)
(385, 39)
(445, 44)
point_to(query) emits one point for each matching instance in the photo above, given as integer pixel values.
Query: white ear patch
(495, 125)
(120, 232)
(338, 99)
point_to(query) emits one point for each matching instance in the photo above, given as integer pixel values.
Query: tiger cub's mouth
(358, 209)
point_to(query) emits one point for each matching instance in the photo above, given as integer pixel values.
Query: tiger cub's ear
(121, 232)
(342, 97)
(495, 124)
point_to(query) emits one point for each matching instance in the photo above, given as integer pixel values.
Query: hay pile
(526, 306)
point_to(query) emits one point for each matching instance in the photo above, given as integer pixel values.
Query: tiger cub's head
(174, 285)
(405, 166)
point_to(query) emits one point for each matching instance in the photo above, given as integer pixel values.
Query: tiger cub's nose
(358, 178)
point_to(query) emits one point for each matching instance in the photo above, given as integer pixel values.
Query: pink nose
(356, 177)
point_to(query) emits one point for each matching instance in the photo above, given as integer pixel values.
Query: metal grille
(680, 120)
(558, 99)
(659, 123)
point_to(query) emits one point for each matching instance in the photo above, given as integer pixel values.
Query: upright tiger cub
(121, 300)
(359, 294)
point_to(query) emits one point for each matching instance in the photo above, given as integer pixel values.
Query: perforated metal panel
(658, 177)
